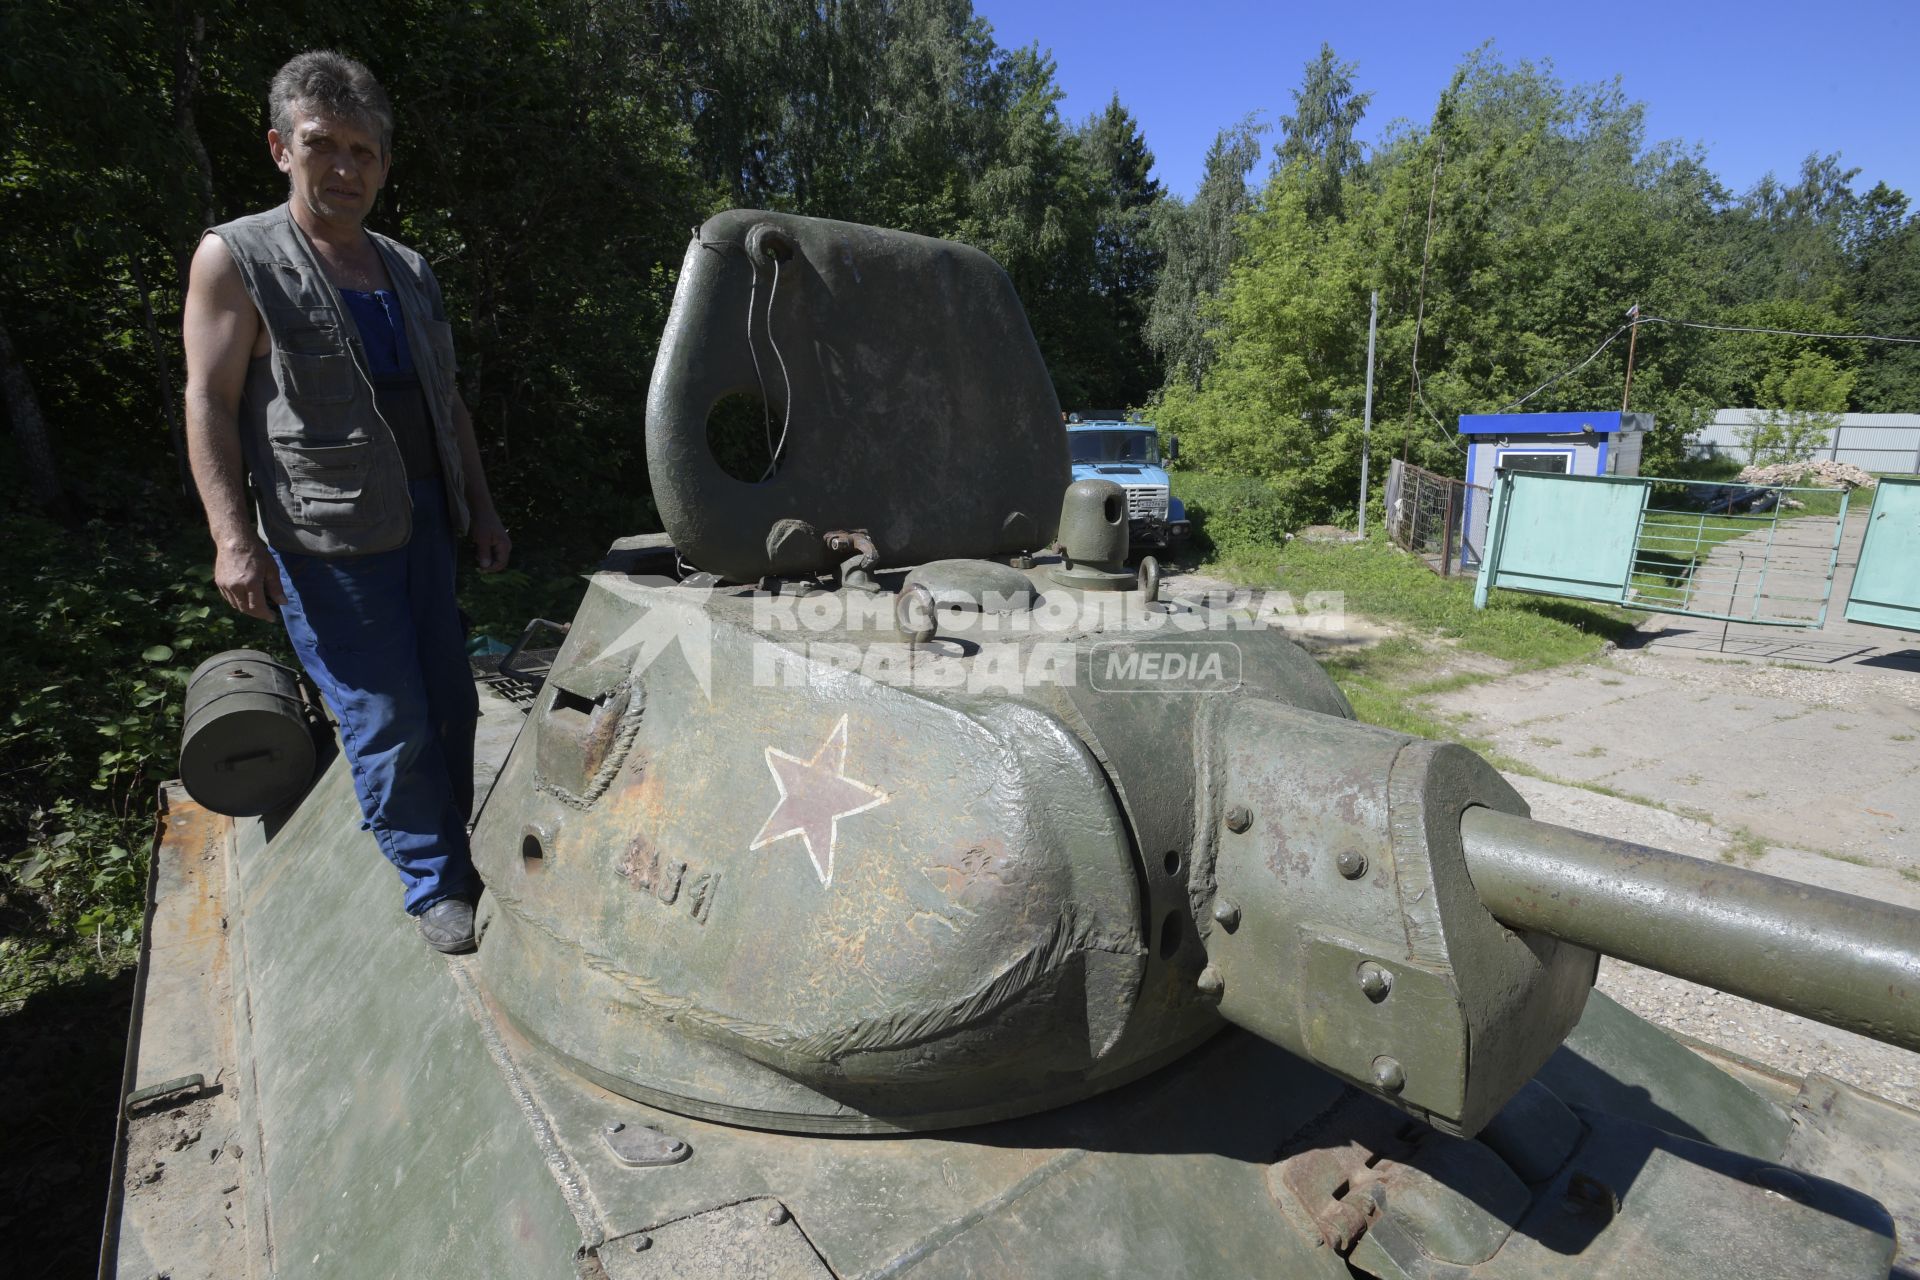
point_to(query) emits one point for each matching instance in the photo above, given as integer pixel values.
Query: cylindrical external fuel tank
(245, 744)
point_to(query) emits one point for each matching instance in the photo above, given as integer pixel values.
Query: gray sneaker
(447, 926)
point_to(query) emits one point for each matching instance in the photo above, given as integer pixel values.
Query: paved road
(1796, 756)
(1795, 576)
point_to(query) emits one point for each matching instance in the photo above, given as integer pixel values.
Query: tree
(1506, 239)
(1125, 257)
(1199, 241)
(1790, 241)
(1886, 300)
(29, 429)
(1319, 133)
(1033, 210)
(880, 111)
(92, 213)
(1803, 400)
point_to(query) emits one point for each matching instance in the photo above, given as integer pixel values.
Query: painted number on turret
(815, 794)
(669, 879)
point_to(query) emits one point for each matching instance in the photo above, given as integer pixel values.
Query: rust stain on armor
(972, 873)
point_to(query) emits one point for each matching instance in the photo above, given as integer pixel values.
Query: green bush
(1786, 435)
(100, 627)
(1234, 514)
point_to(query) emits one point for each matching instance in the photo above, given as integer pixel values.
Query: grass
(1380, 581)
(1389, 682)
(1385, 683)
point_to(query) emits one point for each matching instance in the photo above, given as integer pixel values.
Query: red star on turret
(814, 795)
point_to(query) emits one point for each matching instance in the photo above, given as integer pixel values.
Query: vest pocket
(327, 482)
(315, 377)
(304, 330)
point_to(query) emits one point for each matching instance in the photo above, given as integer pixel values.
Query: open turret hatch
(820, 378)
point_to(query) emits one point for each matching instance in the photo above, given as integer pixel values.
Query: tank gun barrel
(1845, 961)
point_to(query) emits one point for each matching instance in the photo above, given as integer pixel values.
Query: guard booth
(1568, 444)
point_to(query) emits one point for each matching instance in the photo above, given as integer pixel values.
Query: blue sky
(1760, 83)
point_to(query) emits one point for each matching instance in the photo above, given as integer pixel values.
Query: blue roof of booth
(1539, 424)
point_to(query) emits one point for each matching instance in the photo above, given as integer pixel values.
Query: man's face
(336, 166)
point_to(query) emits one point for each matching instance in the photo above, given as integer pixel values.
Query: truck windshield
(1115, 446)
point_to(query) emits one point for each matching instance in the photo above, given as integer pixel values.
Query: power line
(1420, 317)
(1785, 333)
(1639, 320)
(1561, 377)
(1420, 394)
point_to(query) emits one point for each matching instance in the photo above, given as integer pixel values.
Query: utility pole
(1633, 319)
(1366, 423)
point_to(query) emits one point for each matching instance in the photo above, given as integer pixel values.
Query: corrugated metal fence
(1882, 442)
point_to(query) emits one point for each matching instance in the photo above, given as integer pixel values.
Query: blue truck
(1128, 453)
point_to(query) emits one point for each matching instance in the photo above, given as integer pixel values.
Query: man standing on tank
(320, 368)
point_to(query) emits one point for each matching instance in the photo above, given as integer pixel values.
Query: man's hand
(249, 579)
(491, 545)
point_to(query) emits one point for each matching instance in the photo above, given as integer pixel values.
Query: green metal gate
(1886, 585)
(1729, 552)
(1561, 535)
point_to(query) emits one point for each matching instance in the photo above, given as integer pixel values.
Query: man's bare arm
(491, 545)
(220, 330)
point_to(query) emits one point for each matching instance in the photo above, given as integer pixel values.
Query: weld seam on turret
(565, 1175)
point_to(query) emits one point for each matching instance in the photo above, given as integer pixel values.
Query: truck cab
(1128, 453)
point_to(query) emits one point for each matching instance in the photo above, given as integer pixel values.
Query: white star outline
(837, 739)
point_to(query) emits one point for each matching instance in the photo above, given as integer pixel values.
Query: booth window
(1558, 462)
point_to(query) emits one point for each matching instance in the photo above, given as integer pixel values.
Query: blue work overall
(381, 635)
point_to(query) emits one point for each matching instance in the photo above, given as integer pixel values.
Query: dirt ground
(1804, 769)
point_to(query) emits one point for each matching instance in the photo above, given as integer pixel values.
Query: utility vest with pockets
(326, 469)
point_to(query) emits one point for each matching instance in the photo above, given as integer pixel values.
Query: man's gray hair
(326, 83)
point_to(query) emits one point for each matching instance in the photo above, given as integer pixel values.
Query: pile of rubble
(1821, 472)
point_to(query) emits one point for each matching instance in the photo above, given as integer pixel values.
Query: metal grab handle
(252, 760)
(1849, 962)
(506, 667)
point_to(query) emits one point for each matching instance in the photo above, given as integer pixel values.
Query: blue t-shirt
(398, 395)
(383, 329)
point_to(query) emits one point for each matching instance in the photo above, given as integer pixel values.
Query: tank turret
(816, 868)
(888, 879)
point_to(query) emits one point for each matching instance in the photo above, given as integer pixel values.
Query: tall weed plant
(100, 627)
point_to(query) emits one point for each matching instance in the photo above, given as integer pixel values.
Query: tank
(884, 879)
